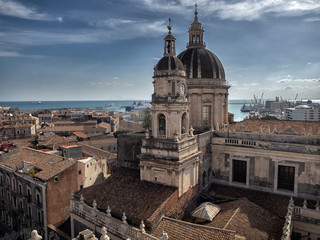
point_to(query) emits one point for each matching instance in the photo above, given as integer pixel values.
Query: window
(56, 179)
(29, 211)
(162, 124)
(183, 124)
(239, 171)
(79, 172)
(81, 186)
(38, 198)
(20, 188)
(206, 115)
(286, 177)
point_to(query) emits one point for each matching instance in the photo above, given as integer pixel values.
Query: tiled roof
(47, 164)
(56, 141)
(180, 230)
(123, 191)
(96, 152)
(281, 126)
(265, 200)
(70, 128)
(248, 219)
(105, 140)
(80, 134)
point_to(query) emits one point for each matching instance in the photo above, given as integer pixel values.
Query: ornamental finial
(169, 26)
(195, 10)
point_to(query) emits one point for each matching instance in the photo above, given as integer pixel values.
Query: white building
(303, 113)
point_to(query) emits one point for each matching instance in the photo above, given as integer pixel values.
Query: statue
(35, 235)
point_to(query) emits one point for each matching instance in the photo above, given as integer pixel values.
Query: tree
(147, 119)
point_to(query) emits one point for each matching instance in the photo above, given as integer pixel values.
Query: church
(192, 146)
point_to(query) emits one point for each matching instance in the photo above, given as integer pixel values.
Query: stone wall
(129, 146)
(205, 174)
(58, 194)
(262, 169)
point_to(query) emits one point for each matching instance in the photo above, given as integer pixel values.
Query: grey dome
(201, 63)
(169, 65)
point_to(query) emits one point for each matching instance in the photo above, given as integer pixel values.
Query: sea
(108, 105)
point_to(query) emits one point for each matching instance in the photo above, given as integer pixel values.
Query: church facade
(190, 146)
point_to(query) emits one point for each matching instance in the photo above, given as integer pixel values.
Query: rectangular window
(286, 177)
(239, 170)
(206, 115)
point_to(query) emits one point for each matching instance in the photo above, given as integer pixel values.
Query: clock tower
(170, 155)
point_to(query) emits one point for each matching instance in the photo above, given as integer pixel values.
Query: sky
(106, 49)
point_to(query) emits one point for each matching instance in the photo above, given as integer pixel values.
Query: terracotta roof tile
(48, 165)
(179, 230)
(248, 220)
(96, 152)
(123, 191)
(254, 125)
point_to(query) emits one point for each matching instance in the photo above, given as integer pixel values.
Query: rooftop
(123, 191)
(46, 165)
(280, 126)
(248, 219)
(178, 230)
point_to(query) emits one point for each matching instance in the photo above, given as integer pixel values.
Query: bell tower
(196, 32)
(170, 154)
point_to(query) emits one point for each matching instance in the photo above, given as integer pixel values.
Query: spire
(196, 12)
(196, 32)
(169, 42)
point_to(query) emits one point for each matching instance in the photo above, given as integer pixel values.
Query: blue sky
(106, 49)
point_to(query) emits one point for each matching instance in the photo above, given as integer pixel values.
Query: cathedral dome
(201, 63)
(169, 65)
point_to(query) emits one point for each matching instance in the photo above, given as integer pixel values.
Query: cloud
(133, 26)
(10, 54)
(121, 30)
(299, 80)
(312, 19)
(16, 9)
(109, 84)
(237, 10)
(17, 54)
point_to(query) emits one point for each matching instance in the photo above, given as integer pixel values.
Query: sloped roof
(96, 152)
(248, 220)
(80, 134)
(180, 230)
(123, 191)
(206, 211)
(281, 126)
(49, 165)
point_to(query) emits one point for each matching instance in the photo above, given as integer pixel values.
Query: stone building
(190, 147)
(35, 189)
(274, 156)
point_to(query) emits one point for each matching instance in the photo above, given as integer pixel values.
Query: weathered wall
(262, 169)
(128, 148)
(205, 174)
(58, 194)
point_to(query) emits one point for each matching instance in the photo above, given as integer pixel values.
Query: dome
(201, 63)
(169, 65)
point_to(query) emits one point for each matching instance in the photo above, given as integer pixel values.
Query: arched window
(204, 178)
(198, 38)
(193, 38)
(206, 115)
(162, 124)
(184, 123)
